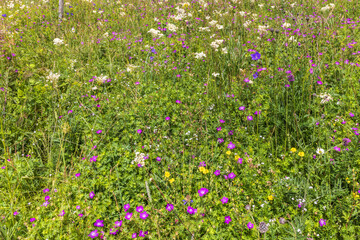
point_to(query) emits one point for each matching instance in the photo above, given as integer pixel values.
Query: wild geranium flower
(178, 101)
(249, 118)
(256, 56)
(94, 234)
(231, 145)
(336, 148)
(139, 209)
(139, 131)
(255, 75)
(158, 159)
(15, 213)
(240, 161)
(322, 222)
(93, 158)
(126, 207)
(99, 223)
(99, 131)
(134, 235)
(32, 219)
(351, 114)
(242, 108)
(118, 224)
(80, 215)
(167, 118)
(77, 175)
(221, 121)
(220, 140)
(250, 225)
(169, 207)
(128, 216)
(227, 219)
(92, 194)
(224, 200)
(62, 213)
(47, 198)
(191, 210)
(144, 215)
(203, 191)
(231, 175)
(78, 207)
(217, 172)
(218, 129)
(46, 190)
(346, 141)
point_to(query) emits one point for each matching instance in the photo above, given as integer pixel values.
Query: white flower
(172, 27)
(242, 13)
(53, 77)
(154, 32)
(58, 41)
(106, 34)
(320, 151)
(203, 29)
(73, 29)
(293, 4)
(247, 23)
(224, 50)
(213, 22)
(292, 38)
(261, 5)
(323, 9)
(215, 74)
(286, 25)
(219, 26)
(332, 5)
(200, 55)
(262, 29)
(130, 67)
(325, 97)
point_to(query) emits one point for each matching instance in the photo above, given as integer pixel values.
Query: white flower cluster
(53, 77)
(247, 23)
(102, 78)
(155, 33)
(200, 55)
(286, 25)
(172, 27)
(139, 159)
(204, 29)
(325, 97)
(328, 7)
(130, 67)
(58, 41)
(262, 29)
(215, 44)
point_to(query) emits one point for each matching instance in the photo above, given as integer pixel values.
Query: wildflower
(139, 209)
(220, 140)
(203, 191)
(224, 200)
(231, 175)
(351, 114)
(249, 118)
(126, 207)
(113, 231)
(139, 131)
(282, 220)
(242, 108)
(98, 131)
(118, 224)
(167, 174)
(169, 207)
(346, 141)
(322, 222)
(128, 216)
(336, 148)
(94, 234)
(167, 118)
(158, 159)
(301, 154)
(320, 151)
(62, 213)
(15, 213)
(134, 235)
(228, 152)
(92, 194)
(227, 219)
(77, 175)
(217, 172)
(255, 56)
(99, 223)
(171, 180)
(144, 215)
(240, 161)
(250, 225)
(231, 145)
(191, 210)
(58, 41)
(263, 227)
(293, 150)
(200, 55)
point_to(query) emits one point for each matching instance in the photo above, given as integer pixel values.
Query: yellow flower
(228, 152)
(236, 157)
(271, 197)
(171, 180)
(167, 174)
(201, 169)
(301, 154)
(293, 150)
(206, 171)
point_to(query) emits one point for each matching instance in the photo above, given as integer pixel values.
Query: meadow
(170, 119)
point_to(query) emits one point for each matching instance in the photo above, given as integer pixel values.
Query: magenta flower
(217, 172)
(221, 121)
(242, 108)
(32, 219)
(93, 158)
(134, 235)
(70, 111)
(92, 195)
(144, 215)
(128, 216)
(94, 234)
(77, 207)
(99, 223)
(77, 175)
(158, 159)
(80, 215)
(141, 234)
(227, 219)
(319, 82)
(218, 129)
(167, 118)
(170, 207)
(139, 131)
(15, 213)
(47, 198)
(240, 161)
(118, 224)
(338, 149)
(322, 222)
(99, 131)
(178, 101)
(191, 210)
(250, 225)
(62, 213)
(231, 175)
(113, 231)
(249, 118)
(220, 140)
(46, 190)
(224, 200)
(231, 145)
(139, 209)
(126, 207)
(203, 191)
(351, 114)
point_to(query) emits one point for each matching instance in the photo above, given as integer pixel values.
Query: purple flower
(221, 121)
(77, 175)
(231, 175)
(80, 215)
(92, 194)
(158, 159)
(224, 200)
(242, 108)
(77, 207)
(319, 82)
(70, 111)
(249, 118)
(62, 213)
(218, 129)
(134, 235)
(45, 204)
(291, 78)
(126, 207)
(231, 145)
(32, 219)
(322, 222)
(139, 209)
(15, 213)
(178, 101)
(128, 216)
(99, 223)
(231, 132)
(227, 219)
(250, 225)
(169, 207)
(336, 148)
(93, 158)
(220, 140)
(351, 114)
(257, 112)
(167, 118)
(255, 75)
(113, 231)
(99, 131)
(94, 234)
(118, 224)
(142, 233)
(139, 131)
(217, 172)
(255, 56)
(47, 198)
(144, 215)
(346, 141)
(240, 161)
(46, 190)
(203, 191)
(191, 210)
(202, 164)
